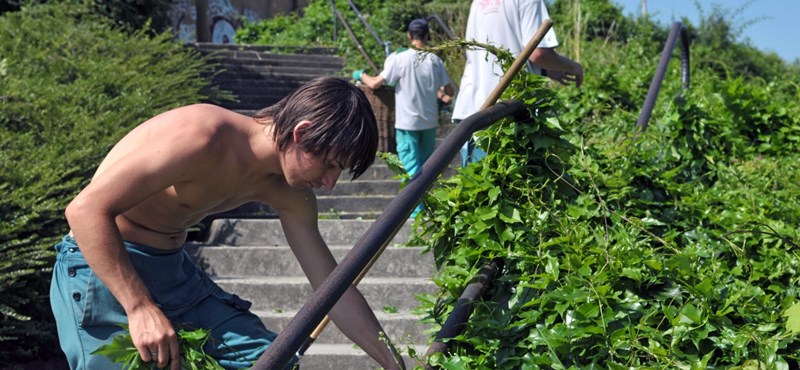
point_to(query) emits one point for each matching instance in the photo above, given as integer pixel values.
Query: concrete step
(353, 203)
(281, 294)
(256, 58)
(263, 261)
(278, 62)
(251, 88)
(330, 205)
(378, 171)
(258, 78)
(401, 327)
(236, 106)
(247, 253)
(362, 187)
(348, 357)
(268, 232)
(314, 50)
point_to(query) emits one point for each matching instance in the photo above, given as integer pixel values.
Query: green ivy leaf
(792, 315)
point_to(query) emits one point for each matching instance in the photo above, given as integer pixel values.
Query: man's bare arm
(299, 221)
(564, 70)
(373, 82)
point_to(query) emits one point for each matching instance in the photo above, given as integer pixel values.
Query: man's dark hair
(417, 34)
(342, 122)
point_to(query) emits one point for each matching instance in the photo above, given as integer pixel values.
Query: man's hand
(565, 78)
(443, 96)
(559, 68)
(154, 337)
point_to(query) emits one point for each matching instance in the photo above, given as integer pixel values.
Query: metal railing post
(678, 29)
(369, 27)
(335, 20)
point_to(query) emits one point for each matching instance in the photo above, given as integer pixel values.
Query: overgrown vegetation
(678, 249)
(71, 84)
(675, 250)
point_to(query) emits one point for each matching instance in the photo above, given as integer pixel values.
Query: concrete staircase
(261, 75)
(246, 253)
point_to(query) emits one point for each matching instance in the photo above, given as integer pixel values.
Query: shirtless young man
(124, 261)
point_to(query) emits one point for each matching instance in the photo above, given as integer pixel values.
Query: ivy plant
(122, 351)
(677, 249)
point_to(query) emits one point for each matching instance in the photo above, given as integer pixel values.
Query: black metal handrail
(289, 341)
(442, 24)
(355, 40)
(369, 27)
(678, 29)
(475, 290)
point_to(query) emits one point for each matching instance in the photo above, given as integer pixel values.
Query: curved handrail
(442, 24)
(678, 29)
(380, 233)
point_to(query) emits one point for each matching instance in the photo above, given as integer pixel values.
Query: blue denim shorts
(88, 316)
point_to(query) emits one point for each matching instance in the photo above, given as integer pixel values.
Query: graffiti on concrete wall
(184, 18)
(223, 16)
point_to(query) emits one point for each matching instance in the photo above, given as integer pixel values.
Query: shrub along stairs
(246, 253)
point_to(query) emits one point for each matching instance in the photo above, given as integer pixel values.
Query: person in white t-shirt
(419, 77)
(509, 24)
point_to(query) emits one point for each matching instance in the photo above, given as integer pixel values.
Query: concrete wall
(221, 18)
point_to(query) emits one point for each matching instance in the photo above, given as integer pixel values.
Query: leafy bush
(129, 14)
(71, 85)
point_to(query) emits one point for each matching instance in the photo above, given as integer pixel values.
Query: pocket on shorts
(100, 308)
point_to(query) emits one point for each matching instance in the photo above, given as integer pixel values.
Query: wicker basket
(382, 102)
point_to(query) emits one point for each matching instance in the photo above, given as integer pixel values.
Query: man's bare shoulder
(197, 124)
(199, 116)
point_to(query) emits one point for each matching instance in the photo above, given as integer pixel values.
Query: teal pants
(413, 149)
(470, 152)
(88, 316)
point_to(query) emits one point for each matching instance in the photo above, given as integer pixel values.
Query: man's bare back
(225, 175)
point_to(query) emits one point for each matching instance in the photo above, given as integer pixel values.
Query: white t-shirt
(506, 23)
(418, 77)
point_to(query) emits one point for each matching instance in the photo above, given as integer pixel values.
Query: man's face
(305, 170)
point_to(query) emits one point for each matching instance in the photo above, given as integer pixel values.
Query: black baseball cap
(418, 24)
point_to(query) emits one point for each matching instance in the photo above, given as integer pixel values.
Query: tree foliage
(131, 15)
(71, 84)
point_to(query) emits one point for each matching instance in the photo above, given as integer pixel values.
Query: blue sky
(776, 24)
